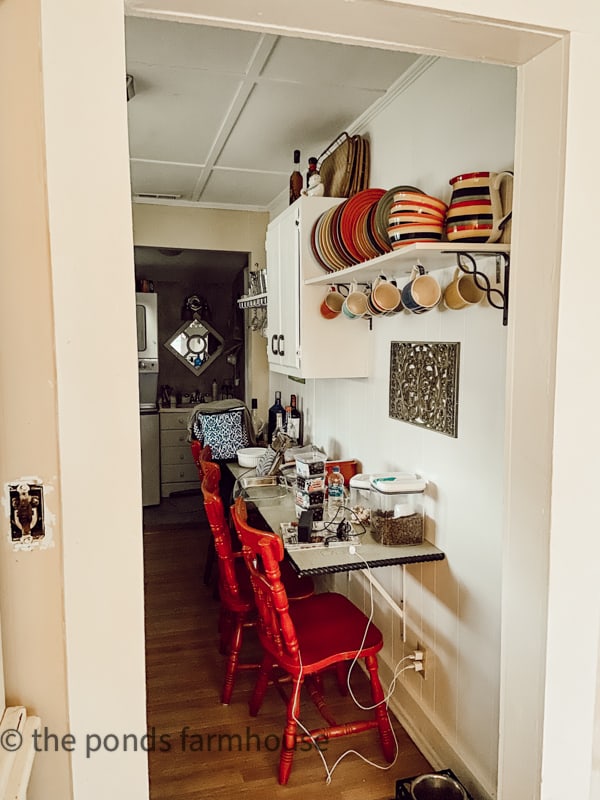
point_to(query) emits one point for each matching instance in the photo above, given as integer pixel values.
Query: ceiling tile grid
(218, 112)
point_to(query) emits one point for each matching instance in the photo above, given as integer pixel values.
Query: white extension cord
(415, 665)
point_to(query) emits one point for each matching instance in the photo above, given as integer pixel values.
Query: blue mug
(422, 292)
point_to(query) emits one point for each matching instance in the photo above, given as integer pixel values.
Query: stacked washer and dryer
(147, 341)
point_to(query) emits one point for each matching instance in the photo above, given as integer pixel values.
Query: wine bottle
(295, 178)
(294, 421)
(275, 409)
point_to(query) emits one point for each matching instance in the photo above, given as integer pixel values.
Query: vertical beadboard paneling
(452, 608)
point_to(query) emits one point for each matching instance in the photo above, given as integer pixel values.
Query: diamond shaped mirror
(196, 344)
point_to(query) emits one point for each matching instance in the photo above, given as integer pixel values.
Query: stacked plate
(347, 234)
(415, 217)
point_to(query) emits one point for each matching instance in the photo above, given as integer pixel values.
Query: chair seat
(329, 627)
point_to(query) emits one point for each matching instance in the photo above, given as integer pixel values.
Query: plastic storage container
(397, 508)
(360, 500)
(310, 484)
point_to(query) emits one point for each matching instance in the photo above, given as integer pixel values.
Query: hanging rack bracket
(498, 298)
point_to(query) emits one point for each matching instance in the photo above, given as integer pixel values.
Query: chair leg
(288, 743)
(225, 626)
(210, 561)
(260, 688)
(386, 736)
(341, 671)
(235, 645)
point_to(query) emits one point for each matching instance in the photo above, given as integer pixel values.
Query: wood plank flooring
(208, 750)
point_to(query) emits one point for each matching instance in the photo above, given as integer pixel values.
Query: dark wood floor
(211, 751)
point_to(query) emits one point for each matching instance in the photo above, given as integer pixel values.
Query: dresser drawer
(174, 473)
(176, 455)
(173, 437)
(169, 420)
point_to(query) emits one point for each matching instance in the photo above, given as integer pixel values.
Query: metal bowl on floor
(436, 787)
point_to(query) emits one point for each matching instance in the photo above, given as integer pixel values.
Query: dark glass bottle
(295, 178)
(312, 168)
(294, 421)
(275, 409)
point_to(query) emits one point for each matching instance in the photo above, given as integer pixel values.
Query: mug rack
(433, 256)
(253, 300)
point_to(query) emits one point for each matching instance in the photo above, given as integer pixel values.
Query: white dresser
(177, 469)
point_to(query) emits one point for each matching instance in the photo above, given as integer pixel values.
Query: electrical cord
(397, 672)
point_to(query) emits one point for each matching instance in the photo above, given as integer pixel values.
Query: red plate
(356, 204)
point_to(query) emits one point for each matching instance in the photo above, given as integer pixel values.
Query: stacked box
(310, 484)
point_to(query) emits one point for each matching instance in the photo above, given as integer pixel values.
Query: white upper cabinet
(301, 342)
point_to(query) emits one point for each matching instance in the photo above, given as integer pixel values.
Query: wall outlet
(421, 649)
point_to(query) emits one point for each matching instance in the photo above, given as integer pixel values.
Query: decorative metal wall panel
(424, 384)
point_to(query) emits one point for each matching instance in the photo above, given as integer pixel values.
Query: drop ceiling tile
(243, 188)
(280, 117)
(326, 63)
(148, 178)
(188, 45)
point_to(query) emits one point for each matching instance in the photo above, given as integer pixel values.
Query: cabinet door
(289, 291)
(283, 291)
(273, 312)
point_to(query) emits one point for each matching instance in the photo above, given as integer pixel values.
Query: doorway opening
(200, 336)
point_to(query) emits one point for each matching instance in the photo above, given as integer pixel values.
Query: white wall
(424, 138)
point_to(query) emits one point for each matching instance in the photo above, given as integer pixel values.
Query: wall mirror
(196, 344)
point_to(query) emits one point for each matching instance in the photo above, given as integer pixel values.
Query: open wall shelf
(433, 256)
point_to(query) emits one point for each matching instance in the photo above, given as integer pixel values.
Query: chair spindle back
(263, 550)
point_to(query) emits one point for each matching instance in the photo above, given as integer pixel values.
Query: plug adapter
(305, 524)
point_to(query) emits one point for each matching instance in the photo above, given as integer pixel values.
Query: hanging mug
(356, 303)
(477, 212)
(422, 292)
(463, 291)
(332, 303)
(385, 295)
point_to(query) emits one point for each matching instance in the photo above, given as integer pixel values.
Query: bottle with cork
(296, 178)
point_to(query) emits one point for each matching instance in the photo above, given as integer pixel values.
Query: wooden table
(339, 558)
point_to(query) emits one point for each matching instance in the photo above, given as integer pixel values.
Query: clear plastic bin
(360, 500)
(397, 508)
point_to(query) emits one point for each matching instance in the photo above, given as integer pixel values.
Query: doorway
(82, 611)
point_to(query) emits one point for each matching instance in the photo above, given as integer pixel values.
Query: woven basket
(344, 166)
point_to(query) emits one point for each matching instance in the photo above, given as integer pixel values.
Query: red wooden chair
(200, 454)
(305, 638)
(235, 591)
